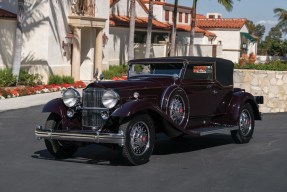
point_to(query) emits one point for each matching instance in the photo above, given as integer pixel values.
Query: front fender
(134, 106)
(55, 106)
(131, 107)
(239, 99)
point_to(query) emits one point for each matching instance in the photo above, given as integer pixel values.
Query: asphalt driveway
(210, 163)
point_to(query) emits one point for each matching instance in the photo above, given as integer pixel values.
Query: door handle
(214, 92)
(209, 86)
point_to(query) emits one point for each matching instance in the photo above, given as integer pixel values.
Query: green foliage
(68, 79)
(116, 71)
(28, 79)
(273, 66)
(7, 78)
(57, 79)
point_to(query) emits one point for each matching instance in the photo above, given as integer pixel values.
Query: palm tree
(149, 29)
(228, 4)
(132, 29)
(19, 41)
(173, 32)
(282, 18)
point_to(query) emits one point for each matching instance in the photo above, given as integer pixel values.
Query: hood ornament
(96, 76)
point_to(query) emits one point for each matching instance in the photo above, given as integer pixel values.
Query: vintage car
(177, 96)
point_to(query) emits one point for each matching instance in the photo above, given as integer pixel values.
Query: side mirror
(102, 76)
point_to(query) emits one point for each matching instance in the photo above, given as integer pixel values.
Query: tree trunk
(132, 29)
(18, 41)
(149, 30)
(173, 32)
(192, 27)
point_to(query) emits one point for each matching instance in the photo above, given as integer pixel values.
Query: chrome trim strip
(97, 137)
(94, 108)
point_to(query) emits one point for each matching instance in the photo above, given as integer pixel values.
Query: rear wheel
(140, 139)
(58, 148)
(245, 125)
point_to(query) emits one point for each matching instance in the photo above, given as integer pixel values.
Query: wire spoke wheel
(177, 109)
(139, 137)
(245, 123)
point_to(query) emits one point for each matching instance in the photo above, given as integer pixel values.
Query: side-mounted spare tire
(178, 108)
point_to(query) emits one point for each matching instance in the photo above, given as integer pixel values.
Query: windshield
(155, 69)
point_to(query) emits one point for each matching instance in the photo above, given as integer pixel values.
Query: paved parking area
(210, 163)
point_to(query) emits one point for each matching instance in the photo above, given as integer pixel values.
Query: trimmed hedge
(272, 66)
(116, 71)
(57, 79)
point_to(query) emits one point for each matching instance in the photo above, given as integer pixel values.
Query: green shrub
(116, 71)
(55, 79)
(7, 78)
(272, 66)
(68, 79)
(28, 79)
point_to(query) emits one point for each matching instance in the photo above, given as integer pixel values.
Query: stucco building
(76, 37)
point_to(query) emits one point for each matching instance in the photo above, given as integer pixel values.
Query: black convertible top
(224, 68)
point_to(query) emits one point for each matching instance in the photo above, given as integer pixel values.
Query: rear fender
(239, 99)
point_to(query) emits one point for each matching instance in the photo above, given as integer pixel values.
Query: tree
(173, 32)
(132, 29)
(228, 4)
(257, 30)
(282, 18)
(274, 33)
(18, 41)
(149, 29)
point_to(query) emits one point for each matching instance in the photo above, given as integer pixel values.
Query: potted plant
(252, 58)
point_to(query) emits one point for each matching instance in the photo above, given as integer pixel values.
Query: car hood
(143, 83)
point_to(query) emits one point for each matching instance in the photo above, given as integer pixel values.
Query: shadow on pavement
(101, 155)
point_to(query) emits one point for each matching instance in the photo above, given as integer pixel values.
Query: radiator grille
(92, 106)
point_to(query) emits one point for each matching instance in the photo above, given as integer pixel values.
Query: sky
(258, 11)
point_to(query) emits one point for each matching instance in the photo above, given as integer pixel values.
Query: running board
(212, 130)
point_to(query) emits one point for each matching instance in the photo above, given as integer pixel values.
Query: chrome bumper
(97, 137)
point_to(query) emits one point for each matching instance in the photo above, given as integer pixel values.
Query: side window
(199, 72)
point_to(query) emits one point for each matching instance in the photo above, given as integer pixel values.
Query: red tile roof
(200, 16)
(142, 22)
(7, 15)
(221, 23)
(197, 30)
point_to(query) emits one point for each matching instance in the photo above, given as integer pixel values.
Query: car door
(201, 88)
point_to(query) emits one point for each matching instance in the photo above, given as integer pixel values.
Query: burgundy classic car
(177, 96)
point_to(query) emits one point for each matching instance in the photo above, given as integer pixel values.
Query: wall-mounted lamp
(69, 40)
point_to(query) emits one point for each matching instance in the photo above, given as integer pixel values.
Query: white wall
(122, 8)
(117, 45)
(7, 39)
(103, 11)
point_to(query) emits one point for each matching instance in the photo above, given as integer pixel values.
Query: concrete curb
(28, 101)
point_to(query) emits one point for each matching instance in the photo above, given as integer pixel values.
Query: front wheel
(58, 148)
(140, 139)
(245, 125)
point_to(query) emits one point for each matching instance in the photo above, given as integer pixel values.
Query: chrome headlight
(71, 97)
(110, 99)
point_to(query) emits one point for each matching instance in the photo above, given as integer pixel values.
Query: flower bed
(122, 78)
(10, 92)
